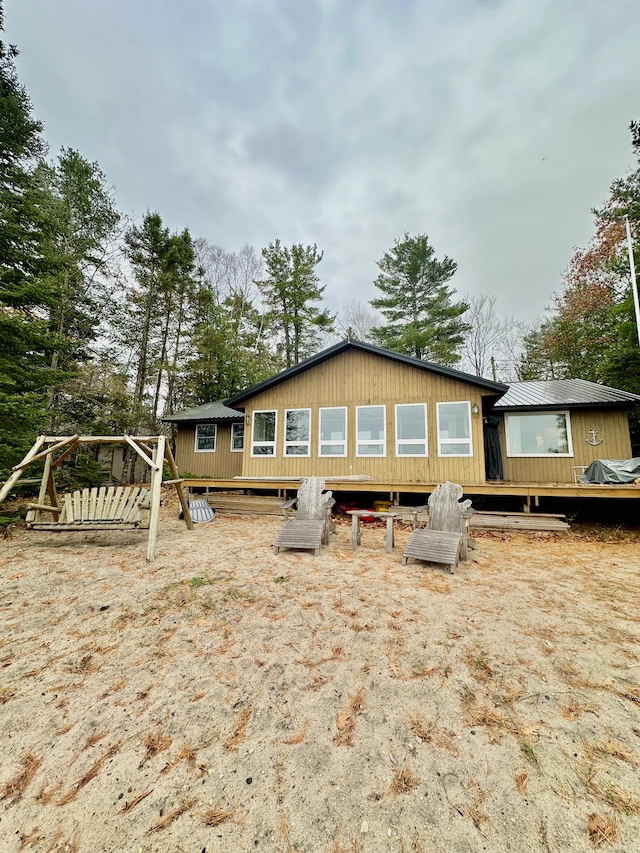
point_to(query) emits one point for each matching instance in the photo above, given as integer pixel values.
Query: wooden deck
(530, 492)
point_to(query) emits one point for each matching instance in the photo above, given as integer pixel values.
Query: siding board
(613, 429)
(221, 464)
(355, 378)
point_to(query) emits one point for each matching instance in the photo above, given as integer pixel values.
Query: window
(333, 432)
(539, 434)
(454, 429)
(411, 429)
(297, 432)
(264, 434)
(237, 437)
(206, 437)
(370, 431)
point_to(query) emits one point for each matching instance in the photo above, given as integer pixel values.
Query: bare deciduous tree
(485, 341)
(356, 321)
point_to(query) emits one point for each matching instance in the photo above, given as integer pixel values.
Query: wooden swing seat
(112, 508)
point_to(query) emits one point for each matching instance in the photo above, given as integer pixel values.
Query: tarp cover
(612, 471)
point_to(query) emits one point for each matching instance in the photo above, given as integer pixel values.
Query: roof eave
(554, 407)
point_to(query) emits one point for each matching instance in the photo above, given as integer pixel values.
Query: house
(358, 409)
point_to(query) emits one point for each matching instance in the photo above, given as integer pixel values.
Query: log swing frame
(123, 513)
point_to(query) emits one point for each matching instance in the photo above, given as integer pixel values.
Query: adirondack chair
(312, 525)
(446, 537)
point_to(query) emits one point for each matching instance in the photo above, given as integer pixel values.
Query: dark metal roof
(343, 346)
(215, 411)
(565, 393)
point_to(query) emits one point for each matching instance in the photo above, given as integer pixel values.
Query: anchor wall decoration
(594, 441)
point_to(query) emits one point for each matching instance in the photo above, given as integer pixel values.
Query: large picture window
(263, 438)
(206, 438)
(237, 437)
(411, 429)
(297, 432)
(539, 434)
(333, 432)
(454, 429)
(370, 431)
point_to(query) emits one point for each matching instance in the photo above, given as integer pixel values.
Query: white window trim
(215, 439)
(442, 441)
(383, 440)
(564, 412)
(237, 449)
(342, 441)
(401, 441)
(297, 443)
(264, 443)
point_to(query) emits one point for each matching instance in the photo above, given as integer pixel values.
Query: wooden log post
(17, 472)
(155, 492)
(44, 486)
(184, 503)
(389, 537)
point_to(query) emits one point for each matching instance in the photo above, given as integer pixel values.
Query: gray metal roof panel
(568, 393)
(215, 411)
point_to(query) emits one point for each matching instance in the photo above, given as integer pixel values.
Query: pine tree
(422, 319)
(26, 342)
(289, 290)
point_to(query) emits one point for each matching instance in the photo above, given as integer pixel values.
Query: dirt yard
(225, 699)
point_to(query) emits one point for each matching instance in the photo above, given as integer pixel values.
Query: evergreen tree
(228, 334)
(27, 345)
(158, 308)
(422, 319)
(80, 248)
(289, 290)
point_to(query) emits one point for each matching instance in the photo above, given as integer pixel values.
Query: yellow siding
(613, 429)
(220, 463)
(355, 378)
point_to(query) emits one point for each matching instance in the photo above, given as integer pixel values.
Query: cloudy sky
(493, 126)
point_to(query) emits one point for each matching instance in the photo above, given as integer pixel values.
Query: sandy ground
(223, 698)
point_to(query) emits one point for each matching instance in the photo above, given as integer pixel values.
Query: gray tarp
(612, 471)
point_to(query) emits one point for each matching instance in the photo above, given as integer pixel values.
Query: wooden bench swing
(107, 508)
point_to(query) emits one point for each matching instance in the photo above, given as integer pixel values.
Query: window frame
(287, 444)
(383, 440)
(405, 441)
(555, 413)
(215, 438)
(442, 441)
(271, 444)
(344, 441)
(237, 449)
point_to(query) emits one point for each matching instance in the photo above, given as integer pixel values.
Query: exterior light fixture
(247, 420)
(475, 410)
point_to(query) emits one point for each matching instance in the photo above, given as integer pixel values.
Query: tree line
(108, 324)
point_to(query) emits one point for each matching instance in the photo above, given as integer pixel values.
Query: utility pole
(634, 285)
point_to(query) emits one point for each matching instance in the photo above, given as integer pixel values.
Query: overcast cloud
(492, 126)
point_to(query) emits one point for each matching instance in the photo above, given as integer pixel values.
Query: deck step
(246, 504)
(500, 521)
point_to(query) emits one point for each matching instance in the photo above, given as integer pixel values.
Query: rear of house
(355, 409)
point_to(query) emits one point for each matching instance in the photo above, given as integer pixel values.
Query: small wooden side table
(356, 529)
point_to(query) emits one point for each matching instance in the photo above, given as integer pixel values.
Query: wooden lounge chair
(313, 525)
(113, 508)
(446, 537)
